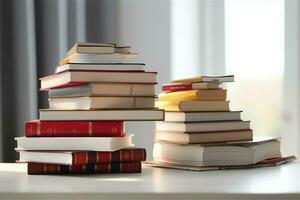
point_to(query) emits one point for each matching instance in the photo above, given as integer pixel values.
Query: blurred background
(256, 40)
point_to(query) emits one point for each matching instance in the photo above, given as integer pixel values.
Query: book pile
(200, 131)
(93, 91)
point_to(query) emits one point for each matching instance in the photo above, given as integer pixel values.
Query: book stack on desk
(92, 93)
(201, 130)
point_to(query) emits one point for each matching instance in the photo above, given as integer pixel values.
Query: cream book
(199, 79)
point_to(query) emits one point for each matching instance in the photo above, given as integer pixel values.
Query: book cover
(37, 128)
(122, 167)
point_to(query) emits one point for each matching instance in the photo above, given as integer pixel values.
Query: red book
(83, 157)
(37, 128)
(189, 86)
(125, 167)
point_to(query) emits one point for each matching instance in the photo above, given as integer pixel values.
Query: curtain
(34, 36)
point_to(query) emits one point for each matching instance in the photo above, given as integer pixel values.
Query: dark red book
(122, 167)
(172, 87)
(83, 157)
(37, 128)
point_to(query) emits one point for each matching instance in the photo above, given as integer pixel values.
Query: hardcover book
(83, 157)
(199, 79)
(118, 167)
(37, 128)
(172, 87)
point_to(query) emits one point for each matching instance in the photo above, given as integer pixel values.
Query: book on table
(218, 155)
(104, 89)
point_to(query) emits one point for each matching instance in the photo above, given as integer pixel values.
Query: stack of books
(93, 91)
(201, 131)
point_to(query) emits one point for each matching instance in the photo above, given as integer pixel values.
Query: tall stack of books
(200, 130)
(93, 91)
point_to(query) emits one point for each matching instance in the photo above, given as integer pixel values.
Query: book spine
(172, 88)
(124, 155)
(74, 129)
(125, 167)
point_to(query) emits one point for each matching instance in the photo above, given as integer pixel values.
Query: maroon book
(121, 167)
(37, 128)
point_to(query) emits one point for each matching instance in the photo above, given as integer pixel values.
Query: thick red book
(83, 157)
(37, 128)
(122, 167)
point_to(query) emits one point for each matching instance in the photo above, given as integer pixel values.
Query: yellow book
(199, 79)
(191, 95)
(193, 106)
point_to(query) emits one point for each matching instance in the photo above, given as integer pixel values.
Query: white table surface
(280, 182)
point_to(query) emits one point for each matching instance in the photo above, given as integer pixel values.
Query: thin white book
(88, 103)
(202, 116)
(221, 155)
(203, 126)
(74, 143)
(101, 67)
(103, 115)
(98, 58)
(88, 47)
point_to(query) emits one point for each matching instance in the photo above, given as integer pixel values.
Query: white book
(88, 103)
(74, 143)
(87, 47)
(68, 77)
(101, 67)
(202, 116)
(222, 155)
(98, 58)
(203, 126)
(104, 115)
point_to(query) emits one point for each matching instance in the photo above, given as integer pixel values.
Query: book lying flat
(98, 58)
(83, 157)
(172, 87)
(103, 168)
(199, 79)
(74, 143)
(193, 106)
(87, 47)
(203, 126)
(221, 155)
(67, 77)
(202, 116)
(204, 137)
(104, 89)
(37, 128)
(101, 67)
(102, 115)
(264, 163)
(191, 95)
(90, 103)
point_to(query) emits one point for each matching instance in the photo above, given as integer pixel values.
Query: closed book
(87, 47)
(90, 103)
(217, 155)
(98, 58)
(74, 143)
(104, 89)
(202, 126)
(204, 137)
(200, 79)
(193, 106)
(74, 77)
(101, 67)
(103, 168)
(83, 157)
(171, 87)
(191, 95)
(202, 116)
(102, 115)
(37, 128)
